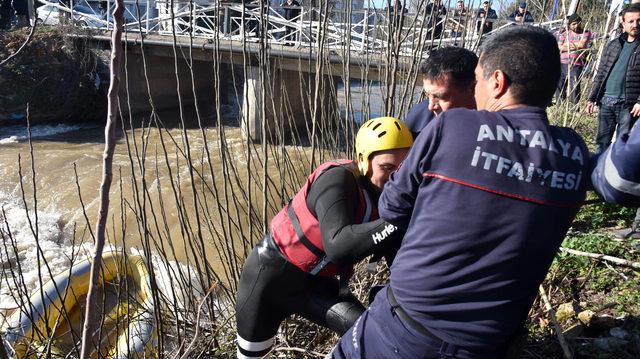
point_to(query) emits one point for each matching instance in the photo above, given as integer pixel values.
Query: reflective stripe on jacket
(616, 173)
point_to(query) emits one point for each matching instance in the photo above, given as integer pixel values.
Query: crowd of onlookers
(484, 17)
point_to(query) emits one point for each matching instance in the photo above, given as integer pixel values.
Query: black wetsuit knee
(328, 308)
(341, 316)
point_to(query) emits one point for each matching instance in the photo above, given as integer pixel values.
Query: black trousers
(271, 289)
(569, 84)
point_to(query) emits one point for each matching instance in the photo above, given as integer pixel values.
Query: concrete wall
(288, 105)
(284, 99)
(163, 82)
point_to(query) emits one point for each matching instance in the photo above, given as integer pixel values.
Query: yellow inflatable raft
(54, 307)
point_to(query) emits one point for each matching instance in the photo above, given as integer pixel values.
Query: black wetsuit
(271, 288)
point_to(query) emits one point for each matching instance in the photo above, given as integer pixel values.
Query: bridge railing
(364, 30)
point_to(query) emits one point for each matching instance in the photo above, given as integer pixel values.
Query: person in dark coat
(616, 90)
(521, 14)
(22, 12)
(6, 14)
(485, 18)
(291, 10)
(616, 87)
(447, 82)
(616, 173)
(255, 25)
(435, 13)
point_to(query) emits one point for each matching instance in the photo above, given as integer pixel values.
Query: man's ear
(499, 83)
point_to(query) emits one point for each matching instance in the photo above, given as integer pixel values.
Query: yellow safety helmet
(380, 134)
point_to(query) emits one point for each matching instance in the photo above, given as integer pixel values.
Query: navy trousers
(380, 333)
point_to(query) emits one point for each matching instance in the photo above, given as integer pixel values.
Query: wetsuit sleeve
(399, 194)
(616, 172)
(333, 199)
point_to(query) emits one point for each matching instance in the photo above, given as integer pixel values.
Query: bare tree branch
(110, 145)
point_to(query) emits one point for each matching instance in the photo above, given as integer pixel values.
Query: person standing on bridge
(485, 18)
(447, 82)
(435, 14)
(521, 15)
(486, 198)
(459, 17)
(330, 224)
(291, 12)
(255, 22)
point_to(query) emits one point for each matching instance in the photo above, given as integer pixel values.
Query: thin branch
(604, 257)
(24, 44)
(110, 145)
(552, 314)
(197, 323)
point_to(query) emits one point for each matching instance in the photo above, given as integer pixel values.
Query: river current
(166, 194)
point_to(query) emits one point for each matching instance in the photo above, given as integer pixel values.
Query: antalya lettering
(528, 172)
(532, 139)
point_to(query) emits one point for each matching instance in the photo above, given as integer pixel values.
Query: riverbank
(57, 78)
(204, 195)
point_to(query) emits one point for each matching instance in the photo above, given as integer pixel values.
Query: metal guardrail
(362, 31)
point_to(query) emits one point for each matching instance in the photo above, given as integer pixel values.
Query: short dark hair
(630, 8)
(455, 62)
(573, 18)
(529, 58)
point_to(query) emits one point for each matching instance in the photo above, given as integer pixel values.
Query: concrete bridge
(305, 54)
(290, 73)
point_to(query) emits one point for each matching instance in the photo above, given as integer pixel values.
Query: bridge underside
(281, 92)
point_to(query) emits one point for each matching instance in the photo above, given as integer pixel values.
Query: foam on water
(19, 245)
(18, 254)
(18, 133)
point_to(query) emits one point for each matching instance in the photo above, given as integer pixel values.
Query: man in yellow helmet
(329, 225)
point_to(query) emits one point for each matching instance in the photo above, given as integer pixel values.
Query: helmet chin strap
(368, 185)
(363, 166)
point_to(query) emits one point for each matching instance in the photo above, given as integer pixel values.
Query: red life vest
(297, 232)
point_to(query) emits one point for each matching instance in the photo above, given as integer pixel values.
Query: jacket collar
(623, 38)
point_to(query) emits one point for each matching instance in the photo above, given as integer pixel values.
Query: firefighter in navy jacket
(330, 224)
(486, 198)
